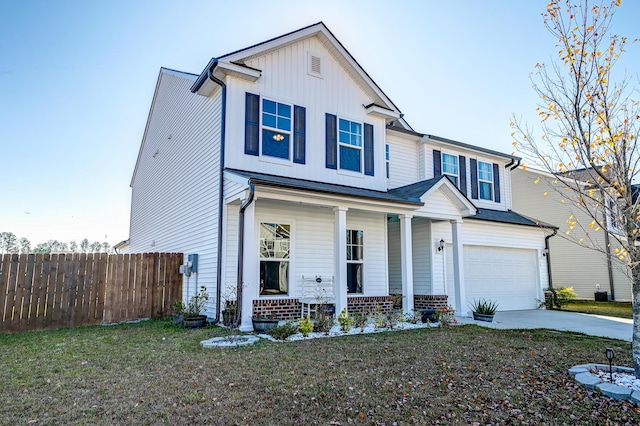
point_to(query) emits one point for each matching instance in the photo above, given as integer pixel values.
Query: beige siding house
(572, 265)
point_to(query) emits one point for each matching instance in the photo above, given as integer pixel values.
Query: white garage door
(507, 275)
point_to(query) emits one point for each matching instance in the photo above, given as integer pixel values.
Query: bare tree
(590, 126)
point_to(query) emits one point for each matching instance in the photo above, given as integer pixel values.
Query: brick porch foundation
(284, 309)
(369, 304)
(429, 301)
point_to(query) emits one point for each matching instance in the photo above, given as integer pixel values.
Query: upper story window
(276, 129)
(485, 180)
(386, 158)
(350, 145)
(450, 167)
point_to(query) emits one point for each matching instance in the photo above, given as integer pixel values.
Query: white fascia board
(467, 208)
(468, 149)
(387, 114)
(328, 200)
(224, 69)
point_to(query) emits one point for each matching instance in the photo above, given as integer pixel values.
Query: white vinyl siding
(422, 255)
(284, 77)
(175, 185)
(403, 161)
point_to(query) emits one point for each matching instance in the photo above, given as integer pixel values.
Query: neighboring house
(285, 160)
(572, 265)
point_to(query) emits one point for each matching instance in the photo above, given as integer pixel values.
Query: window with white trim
(355, 260)
(275, 244)
(485, 181)
(350, 145)
(386, 157)
(276, 129)
(450, 167)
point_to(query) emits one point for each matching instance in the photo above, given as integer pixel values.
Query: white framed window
(386, 158)
(485, 181)
(450, 167)
(350, 145)
(275, 254)
(355, 260)
(276, 129)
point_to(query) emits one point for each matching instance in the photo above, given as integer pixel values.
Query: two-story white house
(285, 160)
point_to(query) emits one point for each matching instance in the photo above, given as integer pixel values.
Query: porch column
(340, 258)
(250, 267)
(406, 262)
(458, 269)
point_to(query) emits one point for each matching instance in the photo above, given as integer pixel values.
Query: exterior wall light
(441, 245)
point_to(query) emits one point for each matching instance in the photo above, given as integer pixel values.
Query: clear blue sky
(77, 79)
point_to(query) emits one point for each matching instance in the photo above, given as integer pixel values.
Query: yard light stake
(610, 355)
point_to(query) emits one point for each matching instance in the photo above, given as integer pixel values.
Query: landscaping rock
(635, 397)
(578, 369)
(588, 380)
(614, 391)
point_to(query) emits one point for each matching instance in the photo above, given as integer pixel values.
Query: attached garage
(507, 275)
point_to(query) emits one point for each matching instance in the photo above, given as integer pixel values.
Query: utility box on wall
(193, 260)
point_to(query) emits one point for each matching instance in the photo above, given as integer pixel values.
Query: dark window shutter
(463, 173)
(332, 141)
(473, 164)
(252, 124)
(368, 150)
(299, 134)
(437, 163)
(496, 183)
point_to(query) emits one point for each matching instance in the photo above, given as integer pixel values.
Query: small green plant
(284, 331)
(305, 326)
(413, 318)
(360, 320)
(178, 307)
(556, 298)
(194, 307)
(323, 321)
(446, 316)
(391, 320)
(345, 321)
(484, 307)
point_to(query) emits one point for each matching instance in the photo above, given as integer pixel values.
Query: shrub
(360, 320)
(445, 316)
(345, 321)
(559, 297)
(305, 326)
(284, 331)
(323, 321)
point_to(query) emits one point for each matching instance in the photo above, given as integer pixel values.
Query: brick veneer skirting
(285, 309)
(369, 304)
(429, 301)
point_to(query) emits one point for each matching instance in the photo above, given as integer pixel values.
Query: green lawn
(612, 309)
(153, 373)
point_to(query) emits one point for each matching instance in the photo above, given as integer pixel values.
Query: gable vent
(314, 65)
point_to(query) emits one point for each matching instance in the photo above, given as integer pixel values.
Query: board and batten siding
(285, 79)
(572, 265)
(175, 186)
(404, 156)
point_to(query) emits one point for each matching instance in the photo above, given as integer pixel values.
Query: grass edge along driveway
(154, 373)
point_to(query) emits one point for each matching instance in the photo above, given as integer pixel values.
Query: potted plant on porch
(484, 310)
(192, 312)
(264, 322)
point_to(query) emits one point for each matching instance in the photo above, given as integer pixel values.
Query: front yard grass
(153, 373)
(611, 309)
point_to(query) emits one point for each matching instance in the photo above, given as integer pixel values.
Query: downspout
(243, 207)
(223, 126)
(515, 167)
(548, 253)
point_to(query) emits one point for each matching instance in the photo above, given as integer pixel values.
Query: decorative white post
(250, 267)
(406, 260)
(458, 269)
(340, 258)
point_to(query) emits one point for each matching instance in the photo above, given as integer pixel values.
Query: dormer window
(276, 129)
(450, 167)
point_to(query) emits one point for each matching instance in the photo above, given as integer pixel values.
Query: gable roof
(330, 42)
(427, 187)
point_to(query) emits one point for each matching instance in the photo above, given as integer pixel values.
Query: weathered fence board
(39, 292)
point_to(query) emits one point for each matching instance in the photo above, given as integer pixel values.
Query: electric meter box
(193, 260)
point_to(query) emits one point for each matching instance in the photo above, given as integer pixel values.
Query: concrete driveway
(593, 325)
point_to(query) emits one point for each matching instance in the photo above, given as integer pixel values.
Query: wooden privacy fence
(47, 291)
